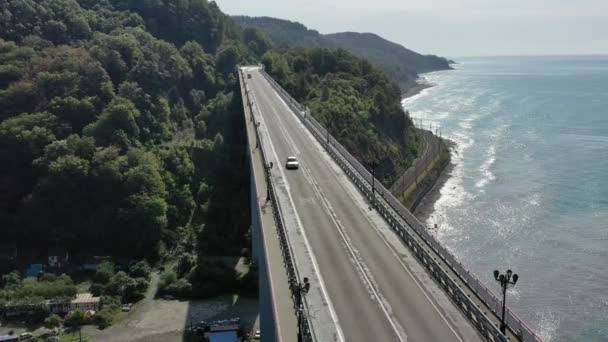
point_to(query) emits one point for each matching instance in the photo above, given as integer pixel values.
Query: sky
(453, 28)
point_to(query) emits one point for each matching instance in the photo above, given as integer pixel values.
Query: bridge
(375, 273)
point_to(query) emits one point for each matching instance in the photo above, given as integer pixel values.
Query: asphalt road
(373, 292)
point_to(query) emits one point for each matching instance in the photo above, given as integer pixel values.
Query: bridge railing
(301, 308)
(399, 218)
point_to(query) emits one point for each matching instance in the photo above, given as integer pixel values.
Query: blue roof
(9, 338)
(223, 336)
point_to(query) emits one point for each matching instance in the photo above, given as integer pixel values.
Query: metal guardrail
(305, 333)
(399, 218)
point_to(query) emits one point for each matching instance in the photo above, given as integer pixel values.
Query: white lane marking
(392, 249)
(339, 228)
(321, 150)
(332, 312)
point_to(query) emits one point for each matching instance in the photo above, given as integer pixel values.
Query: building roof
(223, 336)
(85, 298)
(9, 338)
(231, 327)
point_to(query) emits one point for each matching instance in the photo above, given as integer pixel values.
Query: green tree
(104, 272)
(140, 269)
(53, 321)
(75, 318)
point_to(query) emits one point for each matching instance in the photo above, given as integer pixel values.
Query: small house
(83, 301)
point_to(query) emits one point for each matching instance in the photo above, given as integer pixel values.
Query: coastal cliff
(400, 64)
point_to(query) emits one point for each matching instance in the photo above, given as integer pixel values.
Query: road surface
(371, 283)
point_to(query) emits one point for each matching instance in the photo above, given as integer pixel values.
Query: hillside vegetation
(122, 132)
(120, 129)
(357, 103)
(399, 64)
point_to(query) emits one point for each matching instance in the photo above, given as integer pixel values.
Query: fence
(305, 333)
(432, 148)
(399, 218)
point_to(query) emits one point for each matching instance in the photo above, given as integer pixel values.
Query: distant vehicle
(292, 163)
(248, 75)
(256, 335)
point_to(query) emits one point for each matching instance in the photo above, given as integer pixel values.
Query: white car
(256, 335)
(292, 163)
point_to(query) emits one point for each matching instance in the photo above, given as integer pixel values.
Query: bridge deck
(276, 306)
(373, 284)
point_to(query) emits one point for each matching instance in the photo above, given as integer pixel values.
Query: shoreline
(416, 89)
(426, 207)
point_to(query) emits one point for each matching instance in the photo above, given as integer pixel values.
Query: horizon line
(601, 54)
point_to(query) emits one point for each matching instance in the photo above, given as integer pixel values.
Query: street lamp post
(373, 164)
(506, 280)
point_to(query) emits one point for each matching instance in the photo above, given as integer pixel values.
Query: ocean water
(530, 187)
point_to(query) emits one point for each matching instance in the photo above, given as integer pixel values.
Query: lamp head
(509, 273)
(496, 273)
(515, 277)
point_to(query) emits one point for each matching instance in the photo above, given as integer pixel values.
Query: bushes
(104, 272)
(53, 321)
(120, 284)
(185, 264)
(135, 290)
(104, 318)
(75, 318)
(48, 287)
(140, 270)
(110, 306)
(181, 288)
(167, 278)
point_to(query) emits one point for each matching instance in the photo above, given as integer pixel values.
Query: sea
(529, 186)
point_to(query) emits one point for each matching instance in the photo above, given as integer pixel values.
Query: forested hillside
(122, 134)
(121, 127)
(358, 104)
(399, 64)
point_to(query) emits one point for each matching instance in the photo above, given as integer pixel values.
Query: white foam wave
(453, 193)
(548, 323)
(486, 168)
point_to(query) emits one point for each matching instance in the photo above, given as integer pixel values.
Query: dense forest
(400, 64)
(359, 105)
(121, 127)
(122, 134)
